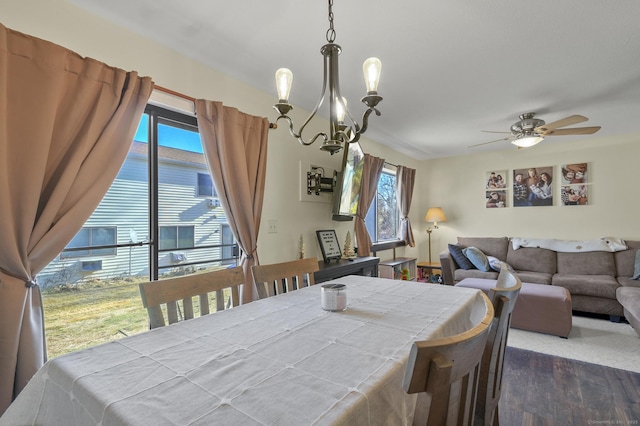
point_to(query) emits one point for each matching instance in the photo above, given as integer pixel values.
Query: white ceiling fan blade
(486, 143)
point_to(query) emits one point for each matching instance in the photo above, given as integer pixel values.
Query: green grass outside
(84, 315)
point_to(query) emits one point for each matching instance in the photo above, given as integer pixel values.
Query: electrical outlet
(272, 227)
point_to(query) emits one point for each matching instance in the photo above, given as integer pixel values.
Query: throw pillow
(459, 257)
(478, 258)
(636, 267)
(495, 263)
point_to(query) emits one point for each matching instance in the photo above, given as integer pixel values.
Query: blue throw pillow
(497, 264)
(459, 257)
(478, 258)
(636, 267)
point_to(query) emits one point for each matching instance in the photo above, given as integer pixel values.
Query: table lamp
(435, 215)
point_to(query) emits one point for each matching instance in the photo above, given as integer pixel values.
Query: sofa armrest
(448, 268)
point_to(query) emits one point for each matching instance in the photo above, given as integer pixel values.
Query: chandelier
(340, 133)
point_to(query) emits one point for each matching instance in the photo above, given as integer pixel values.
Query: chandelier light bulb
(340, 133)
(284, 78)
(371, 69)
(341, 109)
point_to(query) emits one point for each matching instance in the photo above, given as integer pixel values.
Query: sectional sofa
(592, 277)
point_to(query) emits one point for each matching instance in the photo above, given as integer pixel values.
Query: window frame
(214, 193)
(177, 228)
(70, 252)
(378, 245)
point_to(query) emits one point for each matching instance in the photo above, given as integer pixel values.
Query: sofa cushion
(592, 263)
(461, 274)
(628, 282)
(459, 257)
(491, 246)
(636, 267)
(532, 259)
(478, 258)
(604, 286)
(625, 259)
(629, 298)
(534, 277)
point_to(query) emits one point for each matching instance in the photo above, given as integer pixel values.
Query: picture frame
(329, 245)
(495, 180)
(533, 186)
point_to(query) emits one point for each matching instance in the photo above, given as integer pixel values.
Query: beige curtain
(371, 171)
(235, 146)
(405, 178)
(66, 125)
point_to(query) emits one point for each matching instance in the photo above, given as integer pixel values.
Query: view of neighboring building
(192, 225)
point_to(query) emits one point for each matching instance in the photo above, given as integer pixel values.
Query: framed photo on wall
(574, 195)
(495, 199)
(533, 186)
(496, 179)
(575, 173)
(329, 245)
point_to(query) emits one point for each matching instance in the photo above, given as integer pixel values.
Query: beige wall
(456, 184)
(64, 24)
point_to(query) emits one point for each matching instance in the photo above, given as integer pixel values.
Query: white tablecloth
(277, 361)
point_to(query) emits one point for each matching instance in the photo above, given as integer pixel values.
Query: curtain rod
(191, 99)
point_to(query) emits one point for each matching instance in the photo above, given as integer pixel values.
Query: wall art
(574, 173)
(533, 186)
(574, 195)
(495, 199)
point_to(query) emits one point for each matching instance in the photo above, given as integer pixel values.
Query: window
(152, 223)
(382, 219)
(205, 186)
(92, 237)
(176, 237)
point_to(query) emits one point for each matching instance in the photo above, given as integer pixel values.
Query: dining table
(281, 360)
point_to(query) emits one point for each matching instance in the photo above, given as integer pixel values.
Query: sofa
(592, 278)
(629, 298)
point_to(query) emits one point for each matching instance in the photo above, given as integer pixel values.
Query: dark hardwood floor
(541, 389)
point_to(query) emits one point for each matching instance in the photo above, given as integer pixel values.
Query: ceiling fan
(530, 131)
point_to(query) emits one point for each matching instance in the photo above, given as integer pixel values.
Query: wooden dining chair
(183, 289)
(279, 278)
(447, 370)
(503, 297)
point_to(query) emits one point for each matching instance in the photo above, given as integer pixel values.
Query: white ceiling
(451, 69)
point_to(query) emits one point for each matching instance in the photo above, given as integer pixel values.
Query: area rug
(593, 340)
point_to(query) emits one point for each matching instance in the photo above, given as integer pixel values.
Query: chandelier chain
(331, 33)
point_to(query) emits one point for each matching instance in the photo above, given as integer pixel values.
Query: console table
(365, 266)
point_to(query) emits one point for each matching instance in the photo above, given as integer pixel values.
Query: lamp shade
(527, 141)
(435, 215)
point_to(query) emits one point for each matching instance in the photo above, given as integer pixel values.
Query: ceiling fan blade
(486, 143)
(574, 131)
(545, 129)
(491, 131)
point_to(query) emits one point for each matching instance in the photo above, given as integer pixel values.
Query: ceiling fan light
(527, 141)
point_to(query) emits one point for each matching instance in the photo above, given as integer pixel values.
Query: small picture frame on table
(329, 245)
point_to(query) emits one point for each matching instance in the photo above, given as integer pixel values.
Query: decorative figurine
(301, 248)
(348, 252)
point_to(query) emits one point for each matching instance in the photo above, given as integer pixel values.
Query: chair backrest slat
(283, 277)
(503, 297)
(184, 288)
(447, 369)
(187, 307)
